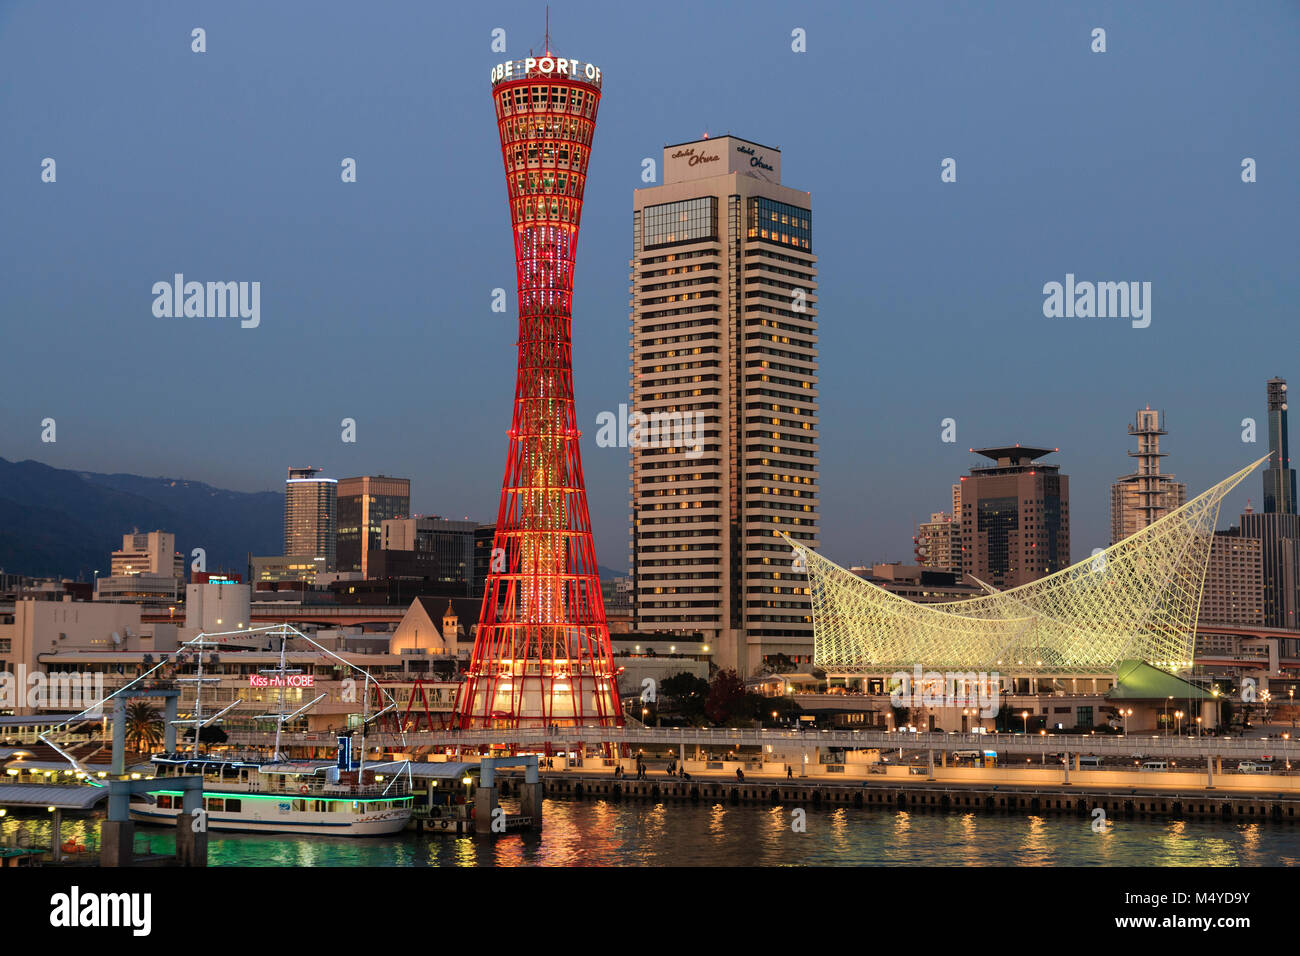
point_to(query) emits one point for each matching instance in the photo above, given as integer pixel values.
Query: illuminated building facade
(364, 504)
(724, 320)
(542, 652)
(311, 516)
(1015, 517)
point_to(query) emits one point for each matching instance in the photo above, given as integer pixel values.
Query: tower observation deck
(542, 651)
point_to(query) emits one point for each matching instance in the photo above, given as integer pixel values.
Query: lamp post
(1024, 715)
(1178, 714)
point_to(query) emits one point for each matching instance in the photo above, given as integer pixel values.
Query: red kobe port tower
(542, 653)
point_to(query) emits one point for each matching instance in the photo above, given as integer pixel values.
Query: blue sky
(1123, 165)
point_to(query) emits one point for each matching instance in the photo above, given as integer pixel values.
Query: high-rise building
(1015, 517)
(724, 373)
(1278, 526)
(152, 553)
(937, 543)
(1145, 496)
(311, 516)
(542, 652)
(449, 545)
(364, 504)
(147, 569)
(1279, 476)
(1234, 581)
(1279, 536)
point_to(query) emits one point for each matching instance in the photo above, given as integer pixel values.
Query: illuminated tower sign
(542, 652)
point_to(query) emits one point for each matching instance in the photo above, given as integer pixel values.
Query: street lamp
(1024, 715)
(1179, 715)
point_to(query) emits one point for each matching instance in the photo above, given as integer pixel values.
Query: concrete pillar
(943, 758)
(681, 754)
(1209, 773)
(56, 835)
(530, 802)
(119, 800)
(1076, 761)
(192, 831)
(929, 755)
(485, 802)
(1067, 769)
(119, 736)
(170, 705)
(115, 840)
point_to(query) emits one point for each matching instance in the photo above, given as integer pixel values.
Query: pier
(1118, 802)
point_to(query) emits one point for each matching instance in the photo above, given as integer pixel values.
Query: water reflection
(1035, 849)
(602, 833)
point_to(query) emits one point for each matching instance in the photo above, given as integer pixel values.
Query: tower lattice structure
(542, 652)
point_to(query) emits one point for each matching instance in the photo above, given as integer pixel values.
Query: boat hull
(269, 818)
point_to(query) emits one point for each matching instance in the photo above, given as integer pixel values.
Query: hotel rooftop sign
(721, 156)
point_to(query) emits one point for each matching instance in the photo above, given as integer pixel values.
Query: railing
(323, 789)
(1127, 745)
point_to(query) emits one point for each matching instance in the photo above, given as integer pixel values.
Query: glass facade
(311, 516)
(690, 220)
(778, 222)
(998, 517)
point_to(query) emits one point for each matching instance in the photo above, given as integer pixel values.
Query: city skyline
(1019, 276)
(932, 264)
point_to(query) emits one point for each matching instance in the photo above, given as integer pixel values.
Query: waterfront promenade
(1175, 747)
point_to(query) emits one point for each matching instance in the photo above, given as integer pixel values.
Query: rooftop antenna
(548, 29)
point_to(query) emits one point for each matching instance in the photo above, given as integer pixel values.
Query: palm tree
(143, 726)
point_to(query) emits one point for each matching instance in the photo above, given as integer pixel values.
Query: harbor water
(602, 833)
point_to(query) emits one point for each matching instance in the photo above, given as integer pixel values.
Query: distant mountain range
(60, 523)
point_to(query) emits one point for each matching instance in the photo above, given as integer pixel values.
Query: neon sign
(545, 64)
(289, 680)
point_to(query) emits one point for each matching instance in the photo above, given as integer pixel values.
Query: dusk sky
(376, 296)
